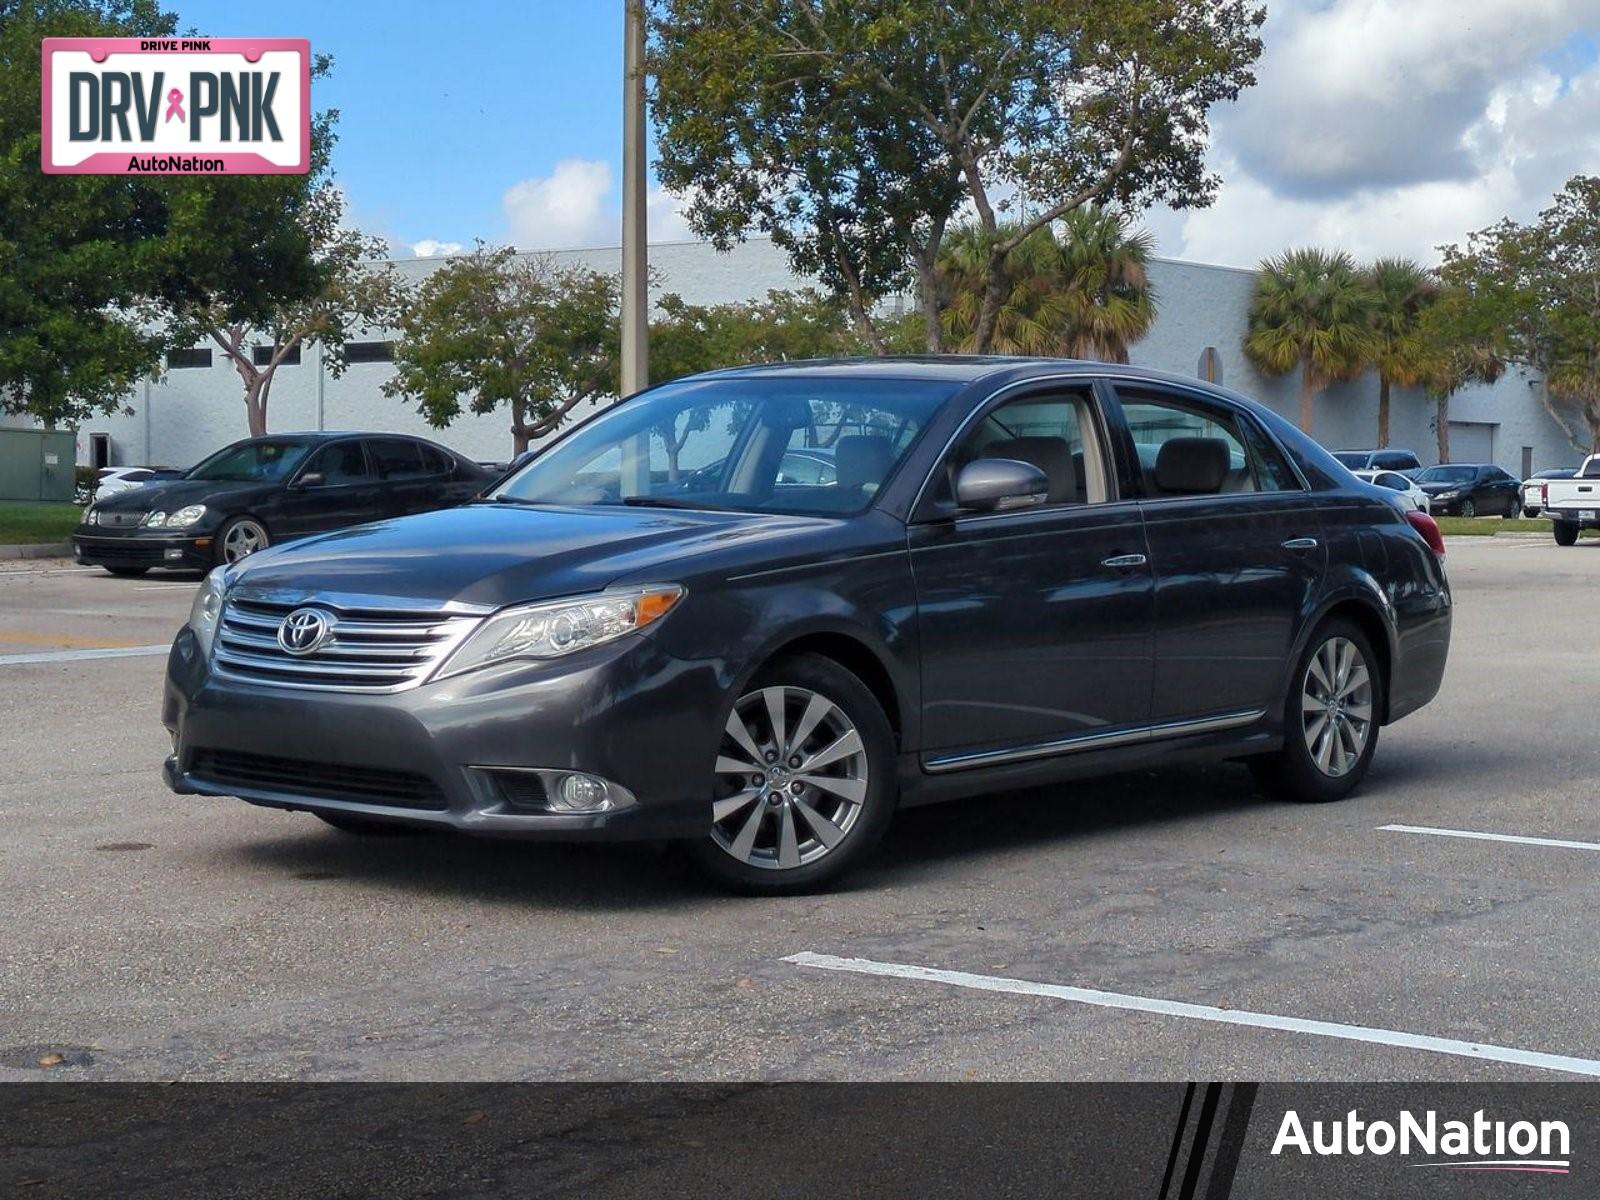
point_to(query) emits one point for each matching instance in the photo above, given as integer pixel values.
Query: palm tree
(1310, 309)
(1463, 341)
(1401, 290)
(1084, 293)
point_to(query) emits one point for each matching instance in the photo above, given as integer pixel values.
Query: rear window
(1355, 461)
(394, 460)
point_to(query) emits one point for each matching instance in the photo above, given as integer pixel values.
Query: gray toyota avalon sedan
(1003, 573)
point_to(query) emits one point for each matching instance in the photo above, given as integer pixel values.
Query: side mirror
(311, 479)
(995, 484)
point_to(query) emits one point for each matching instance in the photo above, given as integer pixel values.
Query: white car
(1411, 495)
(121, 479)
(1573, 505)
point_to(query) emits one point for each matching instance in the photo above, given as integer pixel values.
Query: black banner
(1161, 1141)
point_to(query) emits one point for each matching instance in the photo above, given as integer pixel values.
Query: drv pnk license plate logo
(177, 106)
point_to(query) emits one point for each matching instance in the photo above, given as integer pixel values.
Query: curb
(38, 550)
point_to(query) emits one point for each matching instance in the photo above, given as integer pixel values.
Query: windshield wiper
(508, 498)
(665, 502)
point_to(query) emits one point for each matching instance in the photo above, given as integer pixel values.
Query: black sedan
(993, 589)
(1471, 490)
(255, 493)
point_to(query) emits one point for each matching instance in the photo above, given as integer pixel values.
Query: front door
(1036, 624)
(1237, 547)
(334, 489)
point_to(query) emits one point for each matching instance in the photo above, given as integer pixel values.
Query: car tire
(1514, 511)
(239, 538)
(127, 572)
(1530, 512)
(367, 826)
(1566, 533)
(1468, 509)
(1308, 769)
(778, 828)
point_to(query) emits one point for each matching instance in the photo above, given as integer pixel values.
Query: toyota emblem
(305, 630)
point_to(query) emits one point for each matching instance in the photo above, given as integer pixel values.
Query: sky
(1377, 126)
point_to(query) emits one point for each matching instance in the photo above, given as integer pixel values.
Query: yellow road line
(68, 640)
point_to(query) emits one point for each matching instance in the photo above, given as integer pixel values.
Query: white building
(191, 410)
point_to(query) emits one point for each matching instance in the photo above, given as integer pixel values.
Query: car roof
(960, 368)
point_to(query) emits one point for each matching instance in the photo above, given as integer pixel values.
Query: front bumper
(180, 550)
(627, 713)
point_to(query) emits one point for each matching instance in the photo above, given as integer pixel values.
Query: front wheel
(1468, 509)
(803, 786)
(1514, 510)
(240, 538)
(1566, 533)
(1330, 721)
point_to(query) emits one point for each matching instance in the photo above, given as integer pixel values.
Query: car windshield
(755, 444)
(1352, 459)
(1447, 474)
(252, 462)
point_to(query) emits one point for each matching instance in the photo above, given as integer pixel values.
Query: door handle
(1299, 544)
(1124, 560)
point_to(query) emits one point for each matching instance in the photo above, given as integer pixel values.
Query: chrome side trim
(1093, 741)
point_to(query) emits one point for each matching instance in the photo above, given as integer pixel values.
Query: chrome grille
(120, 520)
(369, 650)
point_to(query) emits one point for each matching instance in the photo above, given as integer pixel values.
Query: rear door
(1236, 546)
(409, 481)
(1035, 623)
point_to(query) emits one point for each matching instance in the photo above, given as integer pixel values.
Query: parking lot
(1159, 926)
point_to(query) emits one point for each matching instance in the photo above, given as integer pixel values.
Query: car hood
(497, 554)
(172, 494)
(1433, 489)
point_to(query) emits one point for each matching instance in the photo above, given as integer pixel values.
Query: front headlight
(157, 518)
(92, 517)
(206, 610)
(185, 517)
(1447, 495)
(559, 627)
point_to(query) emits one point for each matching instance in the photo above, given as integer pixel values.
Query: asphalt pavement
(1169, 925)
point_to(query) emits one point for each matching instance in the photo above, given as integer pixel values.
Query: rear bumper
(627, 713)
(1572, 515)
(181, 552)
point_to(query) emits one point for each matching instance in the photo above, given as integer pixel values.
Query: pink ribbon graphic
(175, 106)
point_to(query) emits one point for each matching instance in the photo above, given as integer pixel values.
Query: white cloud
(429, 248)
(576, 207)
(1392, 128)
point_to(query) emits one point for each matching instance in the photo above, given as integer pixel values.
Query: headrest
(1191, 465)
(1051, 455)
(859, 460)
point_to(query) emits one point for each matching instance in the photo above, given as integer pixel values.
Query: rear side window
(1187, 448)
(396, 460)
(436, 461)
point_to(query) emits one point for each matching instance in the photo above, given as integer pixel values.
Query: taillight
(1429, 529)
(1544, 494)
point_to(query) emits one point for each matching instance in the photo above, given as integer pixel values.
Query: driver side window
(1054, 432)
(342, 463)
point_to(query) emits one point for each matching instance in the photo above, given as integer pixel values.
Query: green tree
(1084, 293)
(512, 330)
(1401, 291)
(73, 248)
(357, 288)
(855, 133)
(1312, 310)
(1463, 332)
(96, 272)
(1539, 285)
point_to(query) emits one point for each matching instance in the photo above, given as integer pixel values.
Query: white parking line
(1473, 835)
(50, 656)
(1204, 1012)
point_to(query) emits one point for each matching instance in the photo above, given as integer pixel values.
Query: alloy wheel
(1468, 509)
(243, 538)
(791, 778)
(1336, 706)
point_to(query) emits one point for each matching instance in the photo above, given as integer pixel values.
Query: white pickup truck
(1574, 504)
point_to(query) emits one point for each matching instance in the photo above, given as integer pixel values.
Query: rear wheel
(127, 572)
(1514, 510)
(1330, 721)
(1566, 533)
(803, 786)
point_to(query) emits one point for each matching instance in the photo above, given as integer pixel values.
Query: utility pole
(635, 257)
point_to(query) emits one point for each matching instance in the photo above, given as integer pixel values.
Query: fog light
(581, 793)
(171, 555)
